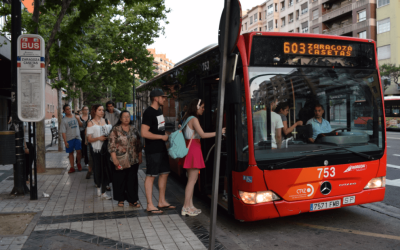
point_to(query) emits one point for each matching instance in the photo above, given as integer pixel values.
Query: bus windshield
(292, 95)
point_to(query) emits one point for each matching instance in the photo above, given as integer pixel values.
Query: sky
(192, 26)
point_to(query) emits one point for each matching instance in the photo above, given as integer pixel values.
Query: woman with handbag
(126, 153)
(98, 130)
(194, 159)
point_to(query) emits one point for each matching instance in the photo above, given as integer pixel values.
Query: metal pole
(220, 116)
(33, 181)
(20, 187)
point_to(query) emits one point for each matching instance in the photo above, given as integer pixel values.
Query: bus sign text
(296, 48)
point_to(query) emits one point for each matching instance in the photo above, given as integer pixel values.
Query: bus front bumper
(283, 208)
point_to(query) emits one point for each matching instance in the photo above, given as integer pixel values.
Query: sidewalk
(73, 217)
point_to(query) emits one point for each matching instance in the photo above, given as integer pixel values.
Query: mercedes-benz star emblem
(326, 188)
(326, 162)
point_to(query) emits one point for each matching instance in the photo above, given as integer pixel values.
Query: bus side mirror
(232, 92)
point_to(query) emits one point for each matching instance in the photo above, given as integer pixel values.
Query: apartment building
(161, 62)
(355, 18)
(388, 38)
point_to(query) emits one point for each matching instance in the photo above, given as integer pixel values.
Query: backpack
(177, 144)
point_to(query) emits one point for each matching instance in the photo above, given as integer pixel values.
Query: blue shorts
(74, 144)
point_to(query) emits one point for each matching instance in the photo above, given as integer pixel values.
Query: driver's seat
(304, 132)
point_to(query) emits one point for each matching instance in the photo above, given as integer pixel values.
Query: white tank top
(189, 132)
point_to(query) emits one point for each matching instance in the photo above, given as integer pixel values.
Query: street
(370, 226)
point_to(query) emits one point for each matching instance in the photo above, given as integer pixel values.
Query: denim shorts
(157, 163)
(74, 144)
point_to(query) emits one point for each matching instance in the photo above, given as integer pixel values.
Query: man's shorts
(157, 163)
(74, 144)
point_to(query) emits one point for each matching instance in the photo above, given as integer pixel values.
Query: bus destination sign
(296, 48)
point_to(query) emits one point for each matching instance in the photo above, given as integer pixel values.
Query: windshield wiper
(272, 166)
(343, 148)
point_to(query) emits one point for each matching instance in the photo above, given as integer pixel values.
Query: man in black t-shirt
(157, 160)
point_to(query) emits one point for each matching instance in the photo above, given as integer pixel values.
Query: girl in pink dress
(194, 159)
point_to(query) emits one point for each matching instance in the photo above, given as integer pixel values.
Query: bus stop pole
(220, 117)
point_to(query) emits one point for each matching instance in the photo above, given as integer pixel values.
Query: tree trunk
(81, 99)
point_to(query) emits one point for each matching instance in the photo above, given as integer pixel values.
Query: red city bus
(263, 176)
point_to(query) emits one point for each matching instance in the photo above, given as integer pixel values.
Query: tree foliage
(391, 71)
(103, 43)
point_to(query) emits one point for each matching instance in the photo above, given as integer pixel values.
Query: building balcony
(337, 10)
(345, 28)
(342, 8)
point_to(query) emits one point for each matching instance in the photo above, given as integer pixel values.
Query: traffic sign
(129, 107)
(31, 78)
(234, 26)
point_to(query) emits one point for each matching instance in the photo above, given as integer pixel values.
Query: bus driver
(319, 124)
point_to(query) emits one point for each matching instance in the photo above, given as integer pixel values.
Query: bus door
(209, 93)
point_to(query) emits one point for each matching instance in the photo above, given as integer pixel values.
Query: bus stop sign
(31, 78)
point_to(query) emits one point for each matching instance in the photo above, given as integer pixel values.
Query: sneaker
(71, 170)
(189, 212)
(105, 196)
(98, 192)
(79, 167)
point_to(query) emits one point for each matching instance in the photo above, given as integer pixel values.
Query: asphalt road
(392, 196)
(370, 226)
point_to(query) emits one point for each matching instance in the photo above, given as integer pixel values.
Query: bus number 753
(327, 172)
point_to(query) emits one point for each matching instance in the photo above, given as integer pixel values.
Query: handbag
(123, 159)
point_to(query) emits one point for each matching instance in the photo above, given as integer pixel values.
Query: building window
(304, 27)
(290, 3)
(276, 23)
(251, 20)
(304, 8)
(291, 31)
(266, 28)
(283, 22)
(276, 7)
(255, 17)
(260, 29)
(316, 30)
(361, 16)
(282, 5)
(290, 18)
(383, 3)
(270, 9)
(260, 16)
(315, 14)
(255, 29)
(362, 34)
(271, 25)
(384, 25)
(384, 52)
(245, 26)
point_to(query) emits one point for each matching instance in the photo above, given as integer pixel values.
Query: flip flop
(169, 207)
(155, 211)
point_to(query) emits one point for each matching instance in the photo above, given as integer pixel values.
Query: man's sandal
(120, 204)
(169, 207)
(155, 211)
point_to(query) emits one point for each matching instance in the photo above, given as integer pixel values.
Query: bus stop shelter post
(220, 116)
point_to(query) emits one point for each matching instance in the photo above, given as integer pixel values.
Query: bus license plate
(324, 205)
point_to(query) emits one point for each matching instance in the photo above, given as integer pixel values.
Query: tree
(390, 71)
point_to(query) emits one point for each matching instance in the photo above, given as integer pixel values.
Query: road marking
(393, 166)
(393, 138)
(340, 230)
(389, 146)
(395, 183)
(396, 155)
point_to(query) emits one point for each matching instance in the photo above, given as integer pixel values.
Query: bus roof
(180, 63)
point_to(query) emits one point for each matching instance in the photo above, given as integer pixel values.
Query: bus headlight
(258, 197)
(377, 182)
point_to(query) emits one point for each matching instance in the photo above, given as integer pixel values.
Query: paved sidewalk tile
(73, 210)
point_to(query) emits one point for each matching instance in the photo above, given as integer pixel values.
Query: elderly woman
(126, 153)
